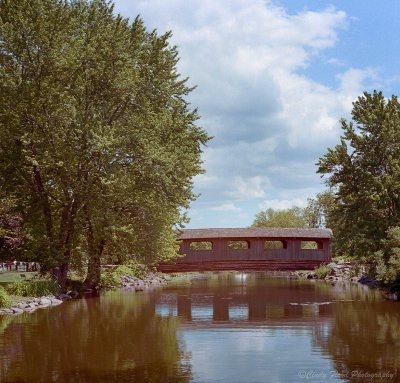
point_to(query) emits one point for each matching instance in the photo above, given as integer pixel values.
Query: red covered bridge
(251, 249)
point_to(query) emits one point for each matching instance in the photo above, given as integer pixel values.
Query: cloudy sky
(273, 79)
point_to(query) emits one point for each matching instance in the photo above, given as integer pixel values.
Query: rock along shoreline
(31, 304)
(348, 271)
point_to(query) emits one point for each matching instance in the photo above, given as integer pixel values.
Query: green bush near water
(112, 278)
(35, 287)
(388, 260)
(5, 300)
(345, 258)
(323, 271)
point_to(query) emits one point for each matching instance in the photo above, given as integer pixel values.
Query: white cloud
(352, 84)
(270, 122)
(227, 207)
(282, 204)
(336, 61)
(247, 188)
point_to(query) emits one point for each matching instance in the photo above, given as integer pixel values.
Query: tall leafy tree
(97, 140)
(363, 171)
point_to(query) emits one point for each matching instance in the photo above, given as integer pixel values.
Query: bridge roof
(256, 232)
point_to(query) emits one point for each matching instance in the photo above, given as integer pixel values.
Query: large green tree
(97, 141)
(363, 171)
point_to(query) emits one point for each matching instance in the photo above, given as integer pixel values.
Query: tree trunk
(92, 280)
(95, 251)
(45, 203)
(61, 271)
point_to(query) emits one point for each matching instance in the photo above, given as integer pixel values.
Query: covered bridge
(251, 249)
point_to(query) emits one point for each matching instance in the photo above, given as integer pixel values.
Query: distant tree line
(98, 143)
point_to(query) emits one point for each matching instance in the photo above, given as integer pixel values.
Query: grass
(35, 287)
(15, 276)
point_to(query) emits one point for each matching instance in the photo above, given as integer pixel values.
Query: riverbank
(20, 304)
(30, 305)
(332, 272)
(347, 271)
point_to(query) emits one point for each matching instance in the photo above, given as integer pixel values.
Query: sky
(273, 79)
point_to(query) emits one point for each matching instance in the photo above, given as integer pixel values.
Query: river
(228, 327)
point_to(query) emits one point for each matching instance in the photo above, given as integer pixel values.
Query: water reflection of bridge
(272, 307)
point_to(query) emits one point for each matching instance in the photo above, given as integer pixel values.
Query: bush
(5, 300)
(323, 271)
(35, 287)
(388, 259)
(112, 278)
(345, 258)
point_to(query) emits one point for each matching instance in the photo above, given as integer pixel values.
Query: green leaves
(95, 131)
(293, 217)
(363, 171)
(388, 259)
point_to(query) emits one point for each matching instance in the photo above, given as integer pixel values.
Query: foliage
(10, 227)
(323, 271)
(97, 140)
(293, 217)
(200, 245)
(388, 259)
(364, 173)
(35, 287)
(318, 212)
(345, 258)
(238, 245)
(112, 277)
(309, 245)
(5, 300)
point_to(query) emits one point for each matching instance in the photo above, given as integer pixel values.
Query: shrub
(388, 259)
(345, 258)
(5, 300)
(112, 278)
(132, 269)
(35, 287)
(323, 271)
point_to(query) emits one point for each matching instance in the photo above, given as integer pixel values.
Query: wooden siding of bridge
(256, 257)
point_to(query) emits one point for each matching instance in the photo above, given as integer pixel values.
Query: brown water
(223, 328)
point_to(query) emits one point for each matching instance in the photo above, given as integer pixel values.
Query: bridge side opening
(239, 245)
(274, 245)
(311, 245)
(201, 245)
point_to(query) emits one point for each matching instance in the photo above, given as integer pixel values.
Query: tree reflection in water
(364, 339)
(133, 337)
(94, 340)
